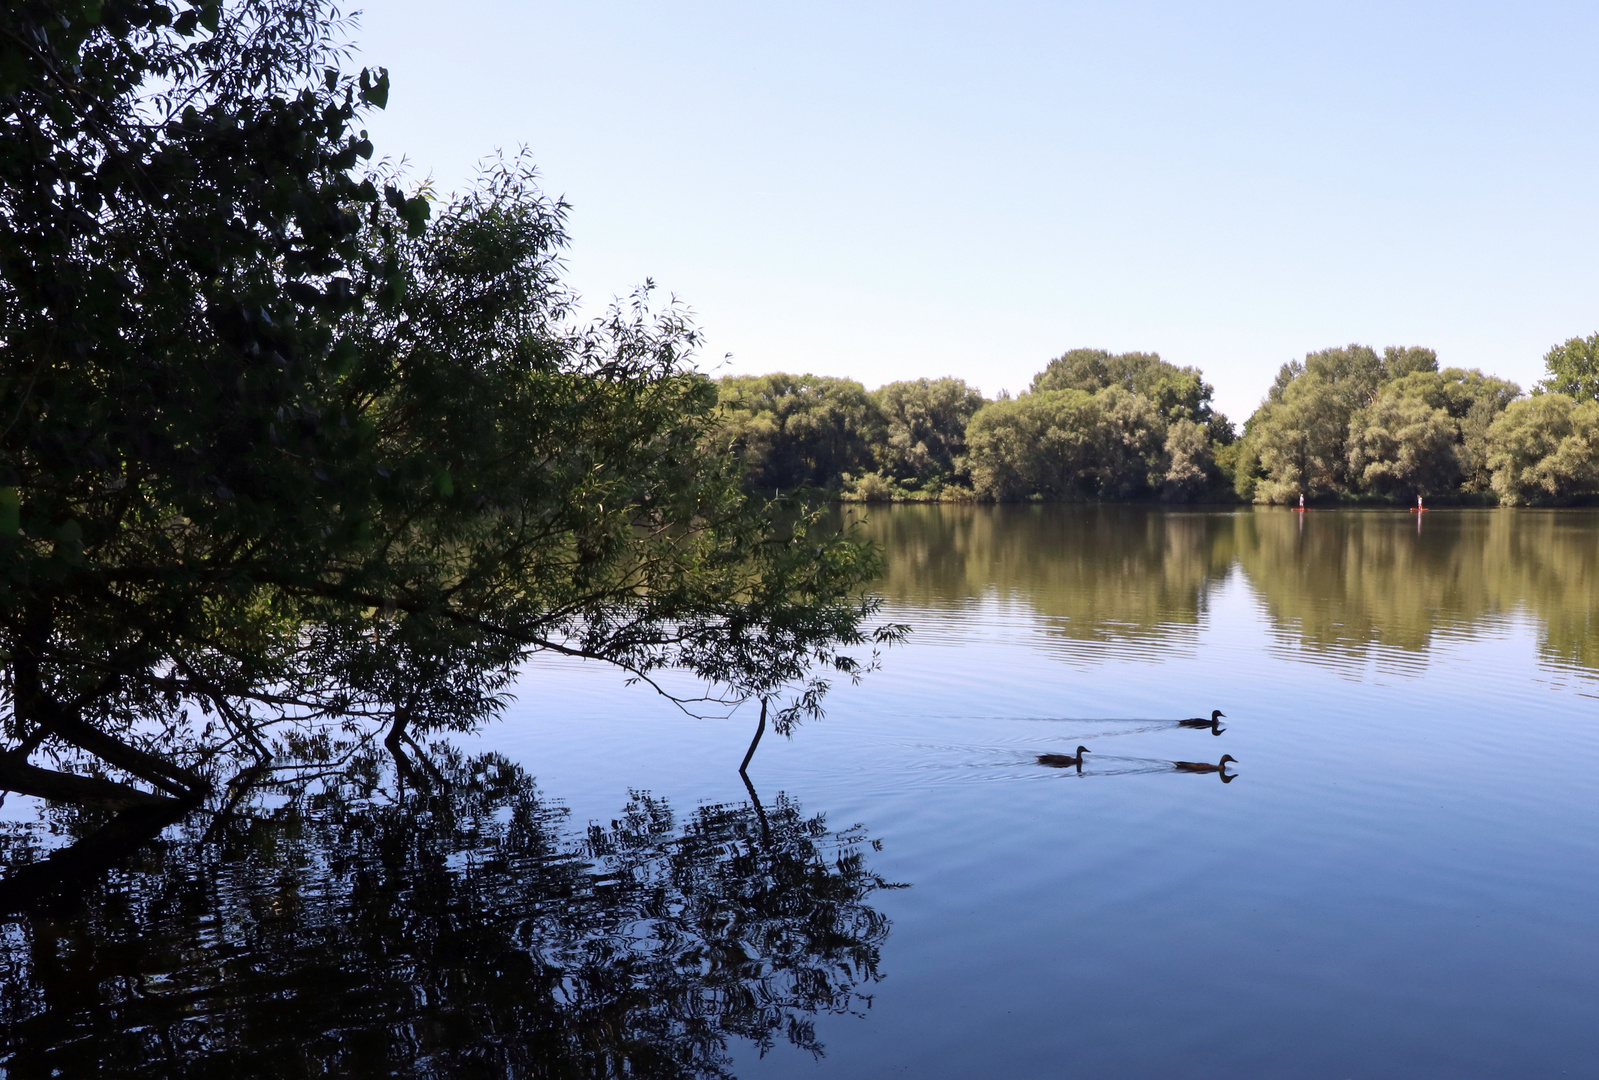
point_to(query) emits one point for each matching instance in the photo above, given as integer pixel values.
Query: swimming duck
(1200, 721)
(1064, 761)
(1205, 766)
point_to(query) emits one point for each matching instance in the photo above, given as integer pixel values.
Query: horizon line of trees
(1343, 424)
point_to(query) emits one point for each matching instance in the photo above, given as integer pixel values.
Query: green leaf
(375, 91)
(415, 213)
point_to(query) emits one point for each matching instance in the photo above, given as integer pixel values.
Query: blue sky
(886, 191)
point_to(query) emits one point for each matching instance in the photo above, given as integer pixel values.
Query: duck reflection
(1214, 723)
(1207, 767)
(1200, 722)
(374, 929)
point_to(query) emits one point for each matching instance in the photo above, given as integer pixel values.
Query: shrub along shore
(1343, 425)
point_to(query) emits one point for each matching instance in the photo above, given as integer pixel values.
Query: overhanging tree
(274, 449)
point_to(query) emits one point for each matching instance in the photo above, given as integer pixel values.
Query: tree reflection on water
(1335, 585)
(1094, 573)
(1343, 582)
(374, 929)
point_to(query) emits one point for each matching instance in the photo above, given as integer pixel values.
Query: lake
(1400, 879)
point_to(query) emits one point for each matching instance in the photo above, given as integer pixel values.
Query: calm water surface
(1402, 880)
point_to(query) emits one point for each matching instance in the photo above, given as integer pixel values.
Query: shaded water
(1402, 880)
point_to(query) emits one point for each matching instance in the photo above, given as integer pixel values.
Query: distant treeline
(1347, 424)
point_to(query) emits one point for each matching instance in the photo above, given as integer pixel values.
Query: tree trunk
(759, 731)
(17, 775)
(35, 706)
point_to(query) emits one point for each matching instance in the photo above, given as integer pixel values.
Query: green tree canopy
(1353, 372)
(1095, 369)
(1472, 401)
(795, 431)
(1302, 437)
(1179, 393)
(278, 451)
(1400, 446)
(1573, 369)
(1399, 361)
(1300, 441)
(1067, 444)
(925, 421)
(1190, 462)
(1457, 391)
(1545, 450)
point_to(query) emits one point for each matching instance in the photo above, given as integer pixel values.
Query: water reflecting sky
(1402, 881)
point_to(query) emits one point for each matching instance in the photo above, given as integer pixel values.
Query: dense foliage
(278, 449)
(1573, 369)
(1342, 424)
(812, 432)
(1178, 393)
(1545, 449)
(1095, 426)
(925, 420)
(1350, 424)
(796, 431)
(1067, 444)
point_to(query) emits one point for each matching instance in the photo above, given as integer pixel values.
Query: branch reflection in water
(374, 929)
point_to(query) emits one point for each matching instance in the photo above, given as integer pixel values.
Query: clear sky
(891, 190)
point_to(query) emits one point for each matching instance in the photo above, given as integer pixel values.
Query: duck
(1205, 766)
(1201, 722)
(1064, 761)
